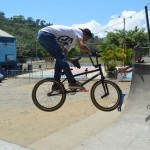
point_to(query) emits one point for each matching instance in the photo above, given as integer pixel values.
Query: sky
(97, 15)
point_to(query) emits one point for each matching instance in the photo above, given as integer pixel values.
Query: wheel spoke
(45, 98)
(105, 101)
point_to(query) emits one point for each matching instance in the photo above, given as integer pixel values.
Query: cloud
(94, 26)
(130, 19)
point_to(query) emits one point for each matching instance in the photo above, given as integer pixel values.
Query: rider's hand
(87, 51)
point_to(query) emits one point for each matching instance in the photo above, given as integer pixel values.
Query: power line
(120, 22)
(148, 3)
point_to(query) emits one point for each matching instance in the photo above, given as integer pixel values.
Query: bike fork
(105, 88)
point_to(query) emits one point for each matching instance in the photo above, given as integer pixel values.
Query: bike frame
(95, 93)
(88, 72)
(100, 73)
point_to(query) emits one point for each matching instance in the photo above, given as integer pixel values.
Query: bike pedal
(84, 90)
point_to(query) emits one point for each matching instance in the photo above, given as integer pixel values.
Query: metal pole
(148, 28)
(124, 44)
(36, 49)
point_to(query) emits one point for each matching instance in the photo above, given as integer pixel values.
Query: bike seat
(75, 62)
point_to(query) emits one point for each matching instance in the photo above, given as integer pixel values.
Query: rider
(51, 38)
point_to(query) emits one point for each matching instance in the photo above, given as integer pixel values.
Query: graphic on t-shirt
(65, 39)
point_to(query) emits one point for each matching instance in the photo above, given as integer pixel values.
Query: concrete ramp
(4, 145)
(132, 129)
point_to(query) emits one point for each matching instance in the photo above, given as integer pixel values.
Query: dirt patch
(22, 123)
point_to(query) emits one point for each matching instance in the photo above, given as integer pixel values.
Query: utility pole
(36, 53)
(124, 38)
(148, 28)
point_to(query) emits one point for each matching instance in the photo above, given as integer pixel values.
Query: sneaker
(75, 85)
(56, 87)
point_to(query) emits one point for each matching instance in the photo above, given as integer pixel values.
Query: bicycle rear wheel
(108, 99)
(47, 98)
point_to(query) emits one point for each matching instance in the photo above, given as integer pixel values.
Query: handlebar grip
(96, 54)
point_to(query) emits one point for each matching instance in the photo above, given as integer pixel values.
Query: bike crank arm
(106, 94)
(106, 91)
(54, 94)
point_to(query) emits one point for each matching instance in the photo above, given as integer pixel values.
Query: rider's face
(85, 38)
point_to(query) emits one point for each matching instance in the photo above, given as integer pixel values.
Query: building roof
(5, 34)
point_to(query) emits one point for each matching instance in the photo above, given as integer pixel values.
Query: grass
(85, 60)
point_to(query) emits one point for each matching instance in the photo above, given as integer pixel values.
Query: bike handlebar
(96, 54)
(76, 63)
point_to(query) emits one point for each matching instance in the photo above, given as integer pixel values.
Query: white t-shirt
(65, 35)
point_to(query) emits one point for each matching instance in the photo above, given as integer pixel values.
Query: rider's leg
(58, 70)
(50, 43)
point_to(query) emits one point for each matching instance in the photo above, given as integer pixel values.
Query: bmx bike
(105, 94)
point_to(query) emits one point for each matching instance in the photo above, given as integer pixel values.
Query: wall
(7, 49)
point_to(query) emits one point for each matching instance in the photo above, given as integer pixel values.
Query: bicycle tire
(44, 98)
(109, 102)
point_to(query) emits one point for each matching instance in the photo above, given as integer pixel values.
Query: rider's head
(87, 34)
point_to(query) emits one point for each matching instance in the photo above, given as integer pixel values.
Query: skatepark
(78, 125)
(132, 130)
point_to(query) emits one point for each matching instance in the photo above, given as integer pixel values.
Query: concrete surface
(4, 145)
(132, 130)
(73, 135)
(22, 123)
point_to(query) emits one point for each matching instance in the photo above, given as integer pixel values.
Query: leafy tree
(135, 36)
(109, 56)
(2, 16)
(116, 41)
(25, 31)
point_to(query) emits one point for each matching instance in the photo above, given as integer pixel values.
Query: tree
(115, 40)
(25, 31)
(135, 36)
(42, 23)
(109, 59)
(37, 22)
(18, 19)
(2, 16)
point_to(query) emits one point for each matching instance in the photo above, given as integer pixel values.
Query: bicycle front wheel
(106, 96)
(45, 97)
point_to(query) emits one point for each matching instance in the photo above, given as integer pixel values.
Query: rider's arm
(83, 46)
(65, 52)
